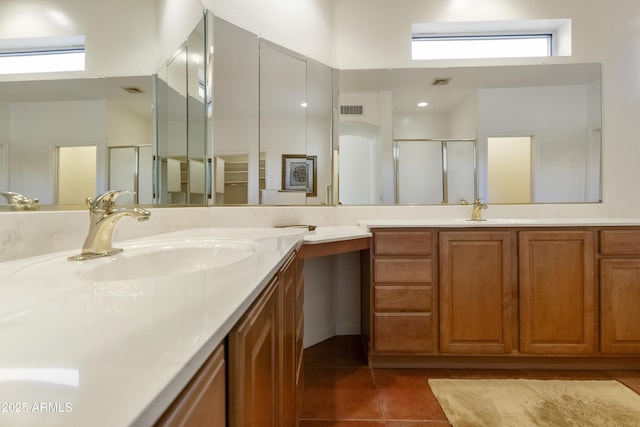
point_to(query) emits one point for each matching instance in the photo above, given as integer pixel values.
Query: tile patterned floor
(341, 391)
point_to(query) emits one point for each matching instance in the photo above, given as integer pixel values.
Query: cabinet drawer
(402, 271)
(620, 242)
(414, 243)
(402, 298)
(400, 333)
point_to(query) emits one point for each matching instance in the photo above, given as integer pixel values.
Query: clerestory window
(42, 55)
(493, 39)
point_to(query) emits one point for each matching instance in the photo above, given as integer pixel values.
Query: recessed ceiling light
(423, 104)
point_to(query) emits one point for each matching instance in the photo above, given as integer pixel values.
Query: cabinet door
(476, 282)
(619, 312)
(557, 313)
(202, 402)
(299, 345)
(288, 360)
(254, 364)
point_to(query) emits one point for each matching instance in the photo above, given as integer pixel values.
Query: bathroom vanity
(175, 327)
(520, 293)
(264, 362)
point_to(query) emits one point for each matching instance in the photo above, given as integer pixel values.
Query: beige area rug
(521, 403)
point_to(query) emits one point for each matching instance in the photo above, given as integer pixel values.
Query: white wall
(126, 127)
(557, 118)
(463, 119)
(605, 32)
(420, 126)
(37, 128)
(304, 26)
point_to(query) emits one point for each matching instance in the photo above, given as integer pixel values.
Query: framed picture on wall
(299, 173)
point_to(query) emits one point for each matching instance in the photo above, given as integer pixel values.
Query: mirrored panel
(557, 106)
(238, 163)
(183, 168)
(53, 131)
(272, 122)
(283, 127)
(319, 131)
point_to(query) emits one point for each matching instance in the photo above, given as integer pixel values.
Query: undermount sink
(144, 260)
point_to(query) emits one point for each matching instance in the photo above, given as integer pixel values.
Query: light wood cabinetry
(288, 362)
(567, 296)
(265, 355)
(254, 367)
(263, 365)
(476, 288)
(203, 400)
(620, 292)
(402, 294)
(299, 338)
(557, 292)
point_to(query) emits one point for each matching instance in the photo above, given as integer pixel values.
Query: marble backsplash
(25, 234)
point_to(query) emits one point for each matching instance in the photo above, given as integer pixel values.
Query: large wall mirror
(483, 127)
(63, 140)
(272, 121)
(242, 121)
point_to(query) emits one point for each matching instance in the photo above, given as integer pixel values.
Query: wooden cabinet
(203, 400)
(620, 292)
(511, 294)
(288, 362)
(557, 292)
(476, 288)
(254, 367)
(402, 293)
(265, 355)
(299, 338)
(263, 365)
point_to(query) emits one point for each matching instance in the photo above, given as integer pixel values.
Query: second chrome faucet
(103, 217)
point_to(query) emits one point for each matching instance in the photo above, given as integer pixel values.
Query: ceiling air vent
(352, 110)
(441, 81)
(132, 89)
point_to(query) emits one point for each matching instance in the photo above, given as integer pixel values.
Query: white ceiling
(411, 85)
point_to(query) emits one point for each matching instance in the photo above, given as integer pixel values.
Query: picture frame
(299, 173)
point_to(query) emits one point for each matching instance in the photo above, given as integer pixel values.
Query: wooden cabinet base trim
(505, 362)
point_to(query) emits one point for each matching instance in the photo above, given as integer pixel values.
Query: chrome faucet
(477, 210)
(18, 202)
(103, 219)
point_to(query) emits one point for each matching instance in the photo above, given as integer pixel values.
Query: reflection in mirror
(239, 165)
(76, 173)
(509, 169)
(434, 171)
(283, 128)
(181, 91)
(131, 168)
(39, 120)
(558, 106)
(319, 129)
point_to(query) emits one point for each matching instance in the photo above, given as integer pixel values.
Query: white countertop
(116, 354)
(335, 234)
(499, 222)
